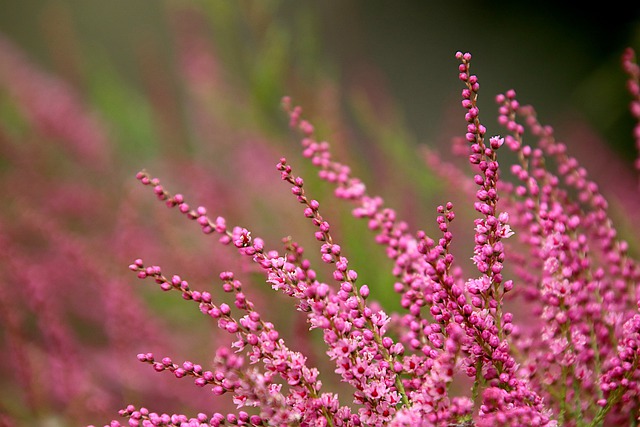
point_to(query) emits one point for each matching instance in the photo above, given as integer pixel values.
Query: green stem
(475, 391)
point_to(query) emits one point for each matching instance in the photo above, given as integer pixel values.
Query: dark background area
(559, 56)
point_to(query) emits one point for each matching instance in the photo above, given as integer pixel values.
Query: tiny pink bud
(496, 142)
(364, 291)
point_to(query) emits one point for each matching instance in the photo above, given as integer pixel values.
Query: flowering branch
(578, 365)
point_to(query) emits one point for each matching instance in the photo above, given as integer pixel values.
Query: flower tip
(364, 291)
(496, 142)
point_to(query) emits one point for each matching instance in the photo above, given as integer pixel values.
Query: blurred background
(91, 92)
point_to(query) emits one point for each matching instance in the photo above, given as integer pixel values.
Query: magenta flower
(544, 331)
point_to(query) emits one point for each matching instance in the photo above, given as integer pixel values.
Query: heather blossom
(552, 340)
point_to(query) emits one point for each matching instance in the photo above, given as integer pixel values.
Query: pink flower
(460, 353)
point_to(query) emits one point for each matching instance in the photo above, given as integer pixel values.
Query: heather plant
(544, 330)
(71, 321)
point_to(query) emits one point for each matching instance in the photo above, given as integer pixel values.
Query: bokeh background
(91, 92)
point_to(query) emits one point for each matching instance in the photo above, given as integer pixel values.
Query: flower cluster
(553, 340)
